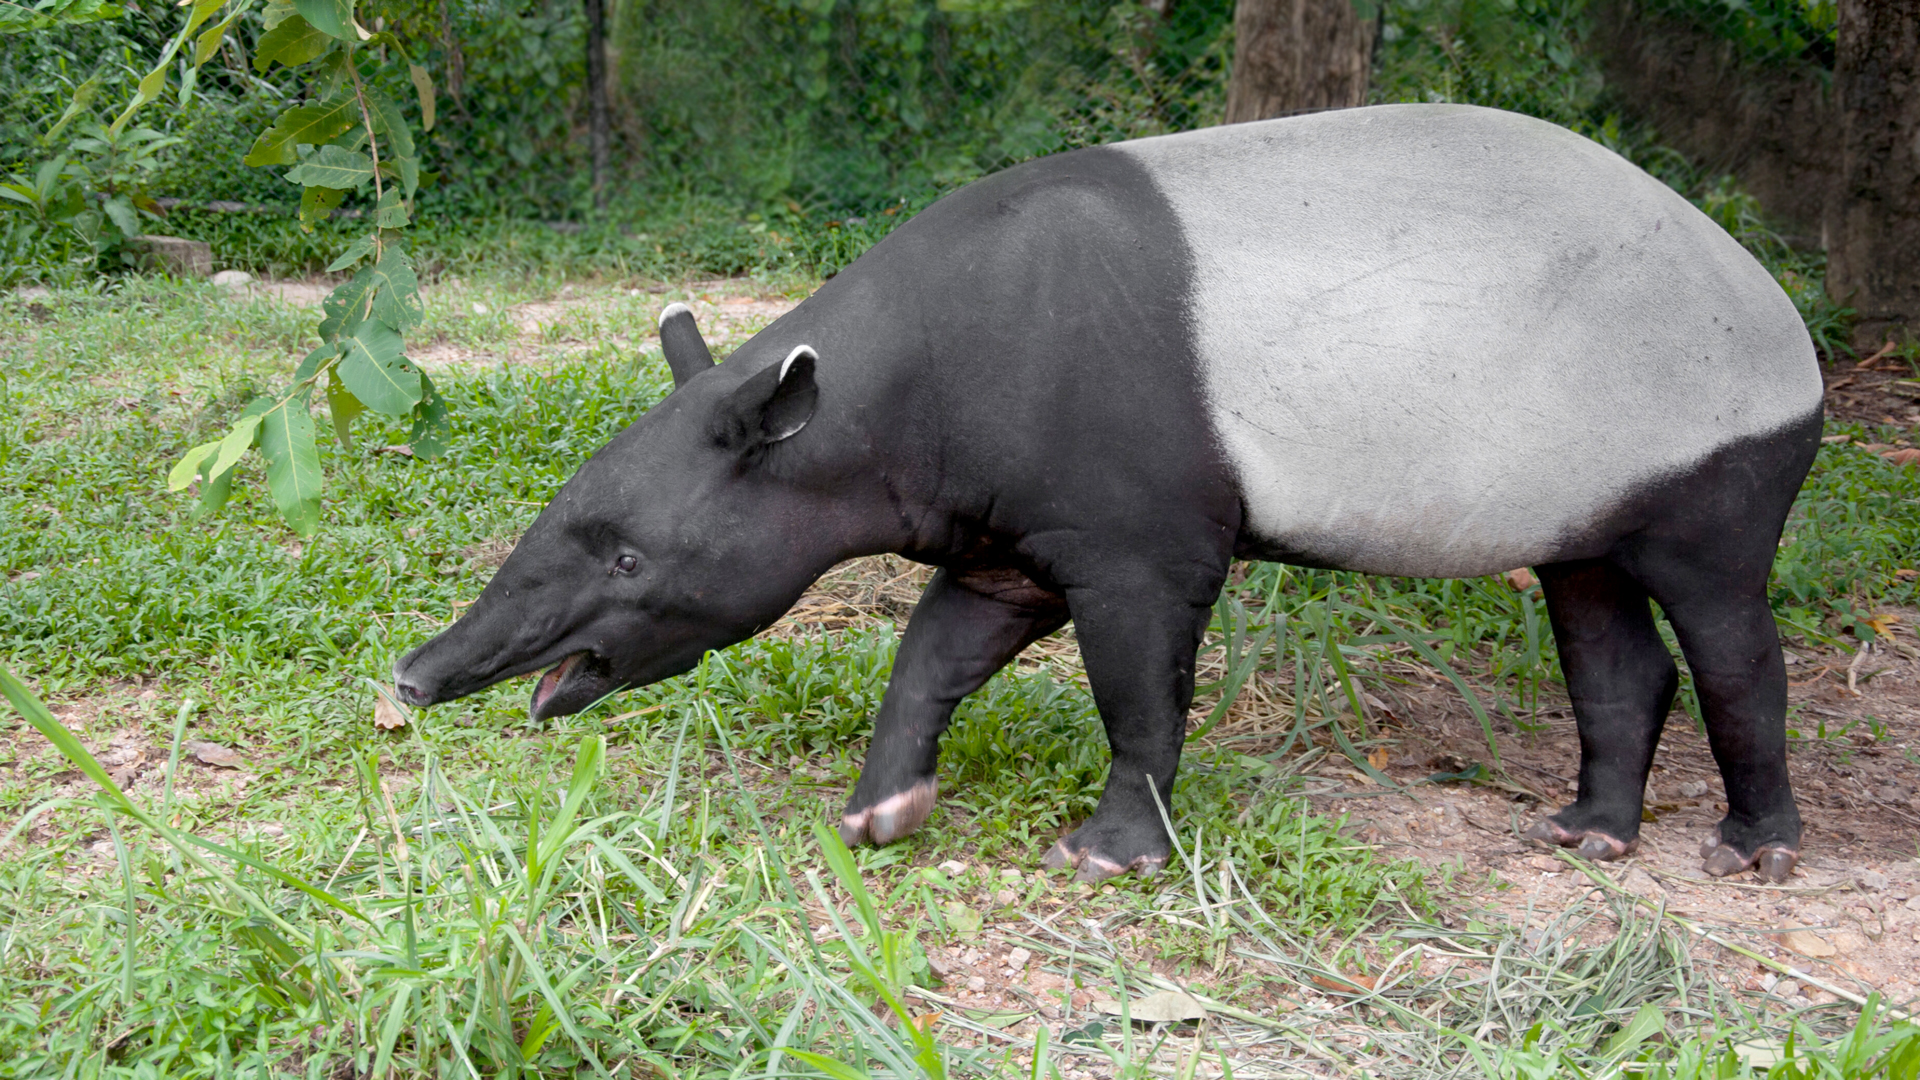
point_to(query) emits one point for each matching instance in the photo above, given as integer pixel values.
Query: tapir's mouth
(571, 685)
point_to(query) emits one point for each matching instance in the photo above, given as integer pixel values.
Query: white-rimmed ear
(772, 405)
(680, 341)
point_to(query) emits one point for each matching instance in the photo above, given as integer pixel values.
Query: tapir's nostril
(411, 694)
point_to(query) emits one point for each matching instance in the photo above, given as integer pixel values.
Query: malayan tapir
(1424, 340)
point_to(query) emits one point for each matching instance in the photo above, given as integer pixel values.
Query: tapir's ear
(680, 340)
(772, 405)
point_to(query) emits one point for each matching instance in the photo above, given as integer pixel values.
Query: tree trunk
(598, 125)
(1873, 219)
(1293, 56)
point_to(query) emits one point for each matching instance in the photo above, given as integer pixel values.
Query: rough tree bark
(599, 127)
(1873, 216)
(1294, 56)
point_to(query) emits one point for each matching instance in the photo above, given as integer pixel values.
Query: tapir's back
(1442, 340)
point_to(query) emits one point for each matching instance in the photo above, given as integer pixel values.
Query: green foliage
(1765, 31)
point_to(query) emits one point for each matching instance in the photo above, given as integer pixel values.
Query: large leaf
(423, 85)
(430, 433)
(293, 463)
(316, 203)
(290, 44)
(376, 371)
(332, 17)
(346, 305)
(344, 407)
(311, 125)
(208, 42)
(332, 167)
(356, 251)
(391, 213)
(397, 301)
(388, 121)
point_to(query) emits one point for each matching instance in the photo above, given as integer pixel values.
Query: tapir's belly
(1446, 349)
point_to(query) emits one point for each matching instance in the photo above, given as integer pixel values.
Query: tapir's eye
(625, 564)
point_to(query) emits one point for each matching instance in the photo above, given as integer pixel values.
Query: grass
(628, 890)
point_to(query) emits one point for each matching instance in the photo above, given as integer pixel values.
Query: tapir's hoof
(892, 817)
(1772, 862)
(1588, 844)
(1092, 864)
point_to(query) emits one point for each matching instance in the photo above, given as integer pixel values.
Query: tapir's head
(683, 534)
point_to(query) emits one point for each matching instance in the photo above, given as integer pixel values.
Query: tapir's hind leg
(965, 628)
(1622, 681)
(1727, 634)
(1705, 557)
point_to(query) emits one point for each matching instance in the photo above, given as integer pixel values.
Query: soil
(1877, 389)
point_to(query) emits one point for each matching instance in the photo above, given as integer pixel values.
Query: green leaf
(346, 305)
(209, 42)
(376, 371)
(276, 12)
(311, 125)
(290, 44)
(202, 11)
(392, 211)
(316, 203)
(332, 167)
(120, 211)
(238, 439)
(343, 407)
(431, 432)
(82, 97)
(293, 463)
(1645, 1024)
(310, 366)
(397, 301)
(356, 251)
(388, 121)
(188, 466)
(423, 86)
(155, 82)
(213, 496)
(329, 76)
(331, 17)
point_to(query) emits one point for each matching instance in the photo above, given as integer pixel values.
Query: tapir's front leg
(966, 627)
(1138, 636)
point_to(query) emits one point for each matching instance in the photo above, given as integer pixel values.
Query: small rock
(1914, 903)
(479, 308)
(1872, 881)
(1693, 789)
(1018, 958)
(1786, 988)
(1640, 883)
(1010, 875)
(977, 984)
(952, 867)
(1546, 864)
(149, 695)
(1808, 943)
(214, 754)
(1006, 897)
(32, 292)
(173, 255)
(233, 279)
(27, 575)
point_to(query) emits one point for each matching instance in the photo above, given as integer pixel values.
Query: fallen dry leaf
(1521, 579)
(1906, 573)
(387, 715)
(214, 754)
(1882, 623)
(1379, 758)
(1345, 984)
(403, 451)
(1808, 943)
(1908, 456)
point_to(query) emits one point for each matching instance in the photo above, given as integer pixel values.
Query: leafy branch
(348, 136)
